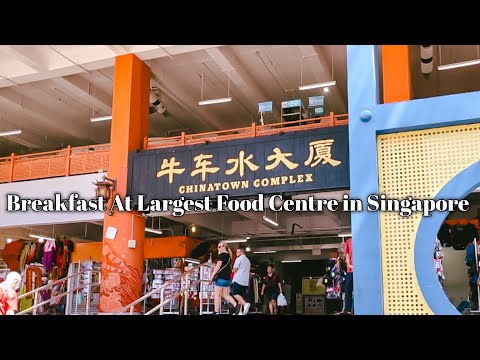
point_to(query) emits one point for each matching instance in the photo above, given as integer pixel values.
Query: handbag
(215, 278)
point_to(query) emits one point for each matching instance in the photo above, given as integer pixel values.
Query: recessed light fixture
(273, 222)
(231, 241)
(215, 101)
(317, 85)
(8, 133)
(218, 100)
(154, 231)
(101, 118)
(41, 238)
(9, 241)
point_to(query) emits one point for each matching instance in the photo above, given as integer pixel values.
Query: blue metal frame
(457, 188)
(367, 119)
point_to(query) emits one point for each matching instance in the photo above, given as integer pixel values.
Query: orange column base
(122, 267)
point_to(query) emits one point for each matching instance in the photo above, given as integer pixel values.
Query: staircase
(77, 288)
(193, 281)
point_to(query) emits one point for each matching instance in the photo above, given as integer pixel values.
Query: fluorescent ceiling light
(13, 132)
(273, 222)
(345, 235)
(41, 237)
(154, 231)
(215, 101)
(318, 85)
(265, 252)
(192, 261)
(101, 118)
(235, 241)
(459, 64)
(291, 261)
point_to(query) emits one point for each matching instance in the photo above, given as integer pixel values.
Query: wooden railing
(95, 158)
(246, 132)
(65, 162)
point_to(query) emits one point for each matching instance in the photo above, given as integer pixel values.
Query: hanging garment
(48, 255)
(39, 252)
(70, 247)
(31, 254)
(23, 256)
(25, 302)
(29, 278)
(11, 254)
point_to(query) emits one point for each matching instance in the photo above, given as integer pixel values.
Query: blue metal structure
(367, 119)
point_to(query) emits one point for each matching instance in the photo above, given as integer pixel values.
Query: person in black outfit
(271, 288)
(222, 280)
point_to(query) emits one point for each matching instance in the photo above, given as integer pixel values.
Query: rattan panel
(417, 164)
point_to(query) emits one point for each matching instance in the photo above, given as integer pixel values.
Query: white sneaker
(246, 307)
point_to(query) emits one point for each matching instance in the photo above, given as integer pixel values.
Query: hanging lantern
(105, 188)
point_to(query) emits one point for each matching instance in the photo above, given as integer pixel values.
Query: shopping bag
(281, 301)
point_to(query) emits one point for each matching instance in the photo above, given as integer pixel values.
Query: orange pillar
(396, 73)
(122, 267)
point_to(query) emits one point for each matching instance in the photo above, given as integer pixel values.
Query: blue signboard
(314, 101)
(265, 107)
(291, 103)
(292, 162)
(318, 111)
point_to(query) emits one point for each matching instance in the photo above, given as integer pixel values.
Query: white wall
(45, 189)
(456, 278)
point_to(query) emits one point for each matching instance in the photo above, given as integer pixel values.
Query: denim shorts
(222, 283)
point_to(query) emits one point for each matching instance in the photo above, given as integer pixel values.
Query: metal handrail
(160, 290)
(54, 283)
(34, 307)
(171, 298)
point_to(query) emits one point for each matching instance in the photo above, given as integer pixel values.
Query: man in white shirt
(241, 279)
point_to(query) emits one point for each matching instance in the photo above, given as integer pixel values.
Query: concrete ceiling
(51, 91)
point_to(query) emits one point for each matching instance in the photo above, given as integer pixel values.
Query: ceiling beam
(118, 49)
(321, 57)
(34, 110)
(225, 58)
(189, 101)
(26, 55)
(155, 81)
(79, 86)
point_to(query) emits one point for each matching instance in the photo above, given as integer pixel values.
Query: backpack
(460, 237)
(445, 235)
(470, 255)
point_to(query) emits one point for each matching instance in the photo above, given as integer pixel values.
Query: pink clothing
(8, 299)
(49, 246)
(348, 250)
